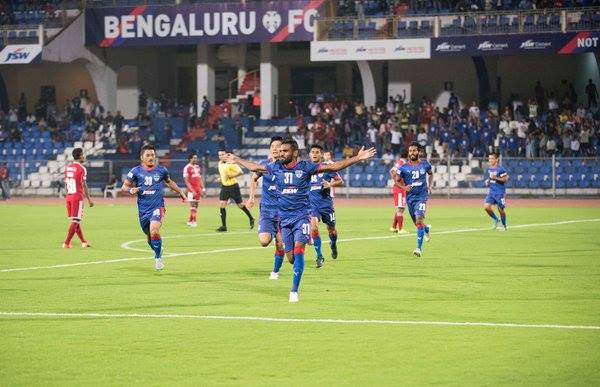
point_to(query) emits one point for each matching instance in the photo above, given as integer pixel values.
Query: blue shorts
(155, 215)
(296, 231)
(417, 207)
(497, 199)
(268, 222)
(326, 215)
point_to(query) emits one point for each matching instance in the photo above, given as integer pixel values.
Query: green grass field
(153, 332)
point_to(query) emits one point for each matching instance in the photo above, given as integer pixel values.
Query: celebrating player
(146, 181)
(193, 182)
(399, 199)
(497, 178)
(76, 185)
(418, 188)
(321, 205)
(268, 222)
(292, 178)
(230, 189)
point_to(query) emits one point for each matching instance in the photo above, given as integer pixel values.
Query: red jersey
(399, 163)
(75, 175)
(192, 173)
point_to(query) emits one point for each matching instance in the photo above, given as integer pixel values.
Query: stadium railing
(460, 24)
(458, 177)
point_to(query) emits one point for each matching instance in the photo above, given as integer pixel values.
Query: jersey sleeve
(428, 168)
(83, 173)
(132, 177)
(270, 167)
(310, 167)
(502, 172)
(165, 174)
(186, 172)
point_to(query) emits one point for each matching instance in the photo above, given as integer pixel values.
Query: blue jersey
(415, 175)
(320, 197)
(293, 185)
(269, 197)
(151, 184)
(496, 187)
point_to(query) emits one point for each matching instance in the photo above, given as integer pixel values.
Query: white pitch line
(125, 245)
(295, 320)
(235, 249)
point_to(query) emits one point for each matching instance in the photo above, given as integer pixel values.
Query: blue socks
(156, 245)
(426, 229)
(317, 243)
(278, 261)
(420, 235)
(298, 267)
(333, 240)
(503, 218)
(492, 215)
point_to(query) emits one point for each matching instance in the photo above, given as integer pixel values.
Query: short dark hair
(275, 138)
(77, 152)
(414, 143)
(291, 142)
(223, 150)
(147, 147)
(191, 156)
(316, 146)
(493, 154)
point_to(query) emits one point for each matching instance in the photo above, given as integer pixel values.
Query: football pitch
(481, 307)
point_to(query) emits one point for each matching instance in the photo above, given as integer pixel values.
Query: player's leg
(400, 213)
(237, 197)
(501, 204)
(223, 198)
(155, 239)
(329, 219)
(394, 226)
(71, 214)
(418, 212)
(278, 256)
(301, 236)
(316, 237)
(78, 231)
(487, 206)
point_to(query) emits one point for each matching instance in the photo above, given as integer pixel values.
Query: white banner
(20, 53)
(339, 50)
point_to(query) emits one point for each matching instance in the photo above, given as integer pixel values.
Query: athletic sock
(298, 267)
(503, 218)
(395, 222)
(316, 237)
(80, 233)
(156, 244)
(333, 239)
(420, 234)
(193, 212)
(400, 221)
(492, 214)
(71, 232)
(278, 260)
(426, 229)
(223, 217)
(248, 214)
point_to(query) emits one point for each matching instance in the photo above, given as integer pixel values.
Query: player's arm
(335, 181)
(363, 154)
(86, 192)
(253, 185)
(127, 187)
(501, 179)
(251, 165)
(173, 187)
(429, 181)
(395, 178)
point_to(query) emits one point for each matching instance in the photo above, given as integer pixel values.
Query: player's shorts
(417, 208)
(399, 197)
(231, 192)
(194, 195)
(325, 215)
(156, 215)
(268, 221)
(296, 231)
(75, 208)
(498, 200)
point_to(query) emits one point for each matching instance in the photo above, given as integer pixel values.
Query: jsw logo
(16, 55)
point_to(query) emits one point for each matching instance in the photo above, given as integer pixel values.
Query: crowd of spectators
(366, 8)
(540, 126)
(27, 11)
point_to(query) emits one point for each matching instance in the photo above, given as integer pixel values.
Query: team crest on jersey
(156, 178)
(299, 174)
(422, 171)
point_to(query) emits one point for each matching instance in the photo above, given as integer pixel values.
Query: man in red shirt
(399, 199)
(193, 180)
(76, 187)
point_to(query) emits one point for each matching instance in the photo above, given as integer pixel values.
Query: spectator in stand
(205, 109)
(347, 152)
(4, 182)
(592, 94)
(474, 112)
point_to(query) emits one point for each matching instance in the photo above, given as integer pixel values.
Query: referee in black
(230, 189)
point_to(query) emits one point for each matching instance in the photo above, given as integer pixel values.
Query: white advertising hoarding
(20, 54)
(340, 50)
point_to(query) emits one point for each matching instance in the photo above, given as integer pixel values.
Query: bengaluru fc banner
(255, 21)
(551, 43)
